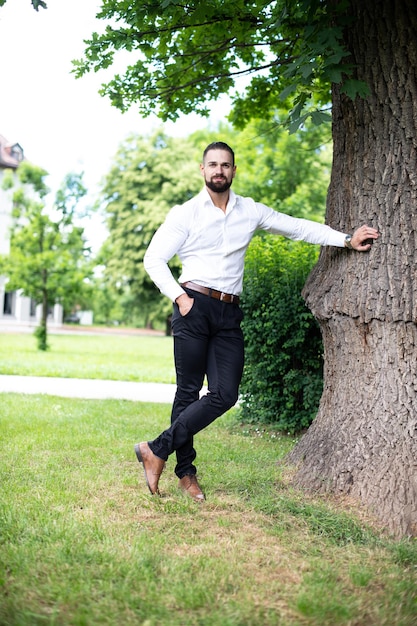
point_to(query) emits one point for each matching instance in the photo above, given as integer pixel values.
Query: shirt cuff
(175, 293)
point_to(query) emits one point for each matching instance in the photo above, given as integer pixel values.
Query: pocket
(190, 311)
(176, 312)
(185, 325)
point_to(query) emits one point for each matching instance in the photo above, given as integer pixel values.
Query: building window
(9, 303)
(17, 152)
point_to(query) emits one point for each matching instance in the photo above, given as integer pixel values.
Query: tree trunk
(42, 330)
(364, 439)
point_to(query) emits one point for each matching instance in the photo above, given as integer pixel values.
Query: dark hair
(219, 145)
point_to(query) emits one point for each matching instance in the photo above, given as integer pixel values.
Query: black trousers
(208, 341)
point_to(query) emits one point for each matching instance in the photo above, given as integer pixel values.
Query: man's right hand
(185, 303)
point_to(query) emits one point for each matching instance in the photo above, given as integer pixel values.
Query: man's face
(218, 170)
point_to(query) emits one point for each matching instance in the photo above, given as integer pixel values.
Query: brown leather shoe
(190, 486)
(152, 466)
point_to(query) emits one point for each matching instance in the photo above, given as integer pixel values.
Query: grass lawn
(110, 357)
(83, 542)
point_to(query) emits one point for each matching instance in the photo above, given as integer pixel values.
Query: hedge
(283, 375)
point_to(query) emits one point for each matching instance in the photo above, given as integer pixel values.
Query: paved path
(80, 388)
(90, 389)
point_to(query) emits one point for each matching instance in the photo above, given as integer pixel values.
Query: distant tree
(48, 257)
(148, 177)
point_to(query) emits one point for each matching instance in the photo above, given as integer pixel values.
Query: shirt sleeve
(298, 229)
(164, 245)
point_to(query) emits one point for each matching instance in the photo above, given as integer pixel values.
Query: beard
(219, 186)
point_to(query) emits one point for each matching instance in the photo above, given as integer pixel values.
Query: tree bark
(364, 439)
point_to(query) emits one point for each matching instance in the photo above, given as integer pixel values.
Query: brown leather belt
(213, 293)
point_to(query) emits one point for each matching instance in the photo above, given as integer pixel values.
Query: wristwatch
(348, 239)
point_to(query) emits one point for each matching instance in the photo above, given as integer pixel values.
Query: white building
(14, 307)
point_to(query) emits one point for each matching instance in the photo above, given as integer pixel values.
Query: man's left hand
(363, 238)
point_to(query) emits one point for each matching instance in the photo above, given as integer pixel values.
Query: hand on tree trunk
(363, 238)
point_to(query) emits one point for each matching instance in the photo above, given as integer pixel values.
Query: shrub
(41, 334)
(283, 376)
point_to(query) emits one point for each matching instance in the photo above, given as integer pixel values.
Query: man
(210, 233)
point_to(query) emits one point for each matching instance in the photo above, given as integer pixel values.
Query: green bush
(283, 376)
(41, 334)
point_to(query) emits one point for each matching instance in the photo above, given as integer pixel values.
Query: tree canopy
(181, 57)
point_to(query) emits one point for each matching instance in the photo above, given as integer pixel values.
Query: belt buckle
(225, 296)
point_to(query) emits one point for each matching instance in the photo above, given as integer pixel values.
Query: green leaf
(38, 3)
(320, 117)
(353, 88)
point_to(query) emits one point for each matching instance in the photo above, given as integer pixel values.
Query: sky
(61, 122)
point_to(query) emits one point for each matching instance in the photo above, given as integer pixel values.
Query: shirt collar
(230, 205)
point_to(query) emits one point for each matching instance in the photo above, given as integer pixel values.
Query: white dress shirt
(212, 244)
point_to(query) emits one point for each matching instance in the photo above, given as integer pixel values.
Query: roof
(11, 154)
